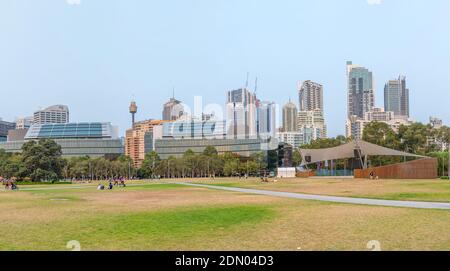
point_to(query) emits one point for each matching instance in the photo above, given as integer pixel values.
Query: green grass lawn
(136, 231)
(160, 216)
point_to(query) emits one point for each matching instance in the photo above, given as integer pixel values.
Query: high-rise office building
(266, 119)
(195, 128)
(396, 97)
(172, 110)
(4, 128)
(55, 114)
(290, 117)
(310, 96)
(360, 88)
(242, 113)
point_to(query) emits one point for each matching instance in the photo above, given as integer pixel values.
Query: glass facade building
(242, 113)
(396, 97)
(361, 97)
(76, 139)
(190, 129)
(244, 147)
(266, 119)
(71, 130)
(290, 117)
(4, 128)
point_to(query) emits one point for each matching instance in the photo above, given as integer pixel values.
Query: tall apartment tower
(360, 88)
(172, 110)
(140, 139)
(290, 117)
(53, 114)
(396, 97)
(242, 113)
(312, 119)
(310, 96)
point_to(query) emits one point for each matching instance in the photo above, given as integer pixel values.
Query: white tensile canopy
(347, 151)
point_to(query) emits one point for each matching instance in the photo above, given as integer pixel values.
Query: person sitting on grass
(4, 182)
(8, 184)
(101, 187)
(110, 187)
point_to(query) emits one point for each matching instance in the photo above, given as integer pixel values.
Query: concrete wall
(425, 168)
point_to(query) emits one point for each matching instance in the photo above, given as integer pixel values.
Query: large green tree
(323, 143)
(414, 138)
(381, 134)
(42, 160)
(150, 163)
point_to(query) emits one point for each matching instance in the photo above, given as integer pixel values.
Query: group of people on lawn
(10, 184)
(113, 182)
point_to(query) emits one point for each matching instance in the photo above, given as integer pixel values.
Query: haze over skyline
(96, 55)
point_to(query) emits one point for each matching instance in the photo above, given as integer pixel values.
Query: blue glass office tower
(396, 97)
(361, 96)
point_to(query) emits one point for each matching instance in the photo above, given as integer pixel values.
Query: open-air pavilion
(358, 153)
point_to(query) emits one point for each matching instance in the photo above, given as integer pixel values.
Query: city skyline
(97, 79)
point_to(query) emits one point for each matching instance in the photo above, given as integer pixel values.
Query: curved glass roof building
(71, 130)
(93, 139)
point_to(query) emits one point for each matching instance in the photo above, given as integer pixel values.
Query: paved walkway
(361, 201)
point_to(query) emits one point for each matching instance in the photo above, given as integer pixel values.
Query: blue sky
(97, 55)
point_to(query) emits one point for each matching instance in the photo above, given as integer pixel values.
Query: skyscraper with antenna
(173, 109)
(242, 112)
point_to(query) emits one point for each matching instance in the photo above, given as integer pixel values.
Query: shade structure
(348, 150)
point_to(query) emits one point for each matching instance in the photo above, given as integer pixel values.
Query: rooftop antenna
(256, 85)
(173, 93)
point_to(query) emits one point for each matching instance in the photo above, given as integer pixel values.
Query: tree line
(42, 160)
(207, 164)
